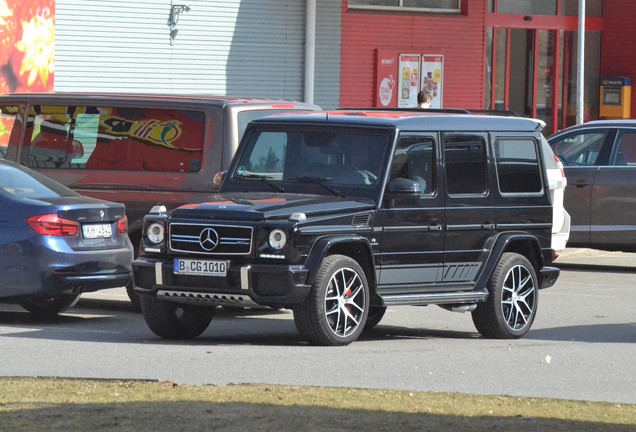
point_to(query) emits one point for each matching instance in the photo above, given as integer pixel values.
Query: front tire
(512, 302)
(133, 296)
(336, 309)
(175, 320)
(48, 306)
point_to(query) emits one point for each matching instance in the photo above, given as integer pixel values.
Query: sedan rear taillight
(51, 224)
(122, 225)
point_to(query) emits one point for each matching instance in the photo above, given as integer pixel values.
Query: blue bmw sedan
(56, 244)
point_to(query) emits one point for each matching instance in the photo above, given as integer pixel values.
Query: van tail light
(122, 225)
(52, 225)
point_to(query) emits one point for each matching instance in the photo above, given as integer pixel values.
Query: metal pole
(310, 50)
(580, 65)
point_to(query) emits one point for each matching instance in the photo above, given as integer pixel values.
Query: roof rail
(415, 109)
(496, 112)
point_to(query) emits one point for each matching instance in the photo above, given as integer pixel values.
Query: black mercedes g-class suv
(338, 215)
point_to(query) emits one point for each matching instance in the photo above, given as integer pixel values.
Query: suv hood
(260, 206)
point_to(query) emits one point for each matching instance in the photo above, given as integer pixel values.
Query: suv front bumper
(262, 284)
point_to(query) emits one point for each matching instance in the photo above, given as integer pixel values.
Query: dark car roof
(411, 120)
(145, 98)
(628, 123)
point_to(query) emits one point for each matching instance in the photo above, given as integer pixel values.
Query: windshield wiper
(265, 179)
(319, 181)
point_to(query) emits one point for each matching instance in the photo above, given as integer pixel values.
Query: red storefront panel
(619, 36)
(459, 38)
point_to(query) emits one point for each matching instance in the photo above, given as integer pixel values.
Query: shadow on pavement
(197, 416)
(598, 333)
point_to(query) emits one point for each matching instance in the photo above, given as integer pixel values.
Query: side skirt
(435, 298)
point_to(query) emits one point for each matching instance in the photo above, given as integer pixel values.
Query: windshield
(325, 161)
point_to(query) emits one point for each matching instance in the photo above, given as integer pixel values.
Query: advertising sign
(433, 78)
(386, 90)
(27, 45)
(409, 70)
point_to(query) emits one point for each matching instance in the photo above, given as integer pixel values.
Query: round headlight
(155, 233)
(277, 239)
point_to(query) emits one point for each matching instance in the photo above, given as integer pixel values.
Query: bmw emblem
(208, 239)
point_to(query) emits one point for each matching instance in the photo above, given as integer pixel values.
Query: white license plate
(97, 231)
(200, 267)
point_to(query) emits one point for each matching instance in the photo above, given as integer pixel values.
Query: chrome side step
(192, 297)
(435, 298)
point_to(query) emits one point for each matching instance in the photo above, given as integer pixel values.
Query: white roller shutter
(245, 48)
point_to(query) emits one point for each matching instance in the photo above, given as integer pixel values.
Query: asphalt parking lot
(581, 346)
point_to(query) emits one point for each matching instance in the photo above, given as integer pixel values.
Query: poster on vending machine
(433, 78)
(409, 73)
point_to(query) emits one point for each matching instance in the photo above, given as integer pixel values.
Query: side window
(580, 149)
(465, 158)
(518, 168)
(625, 154)
(414, 159)
(8, 126)
(111, 138)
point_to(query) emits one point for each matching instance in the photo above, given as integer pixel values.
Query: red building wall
(618, 55)
(460, 38)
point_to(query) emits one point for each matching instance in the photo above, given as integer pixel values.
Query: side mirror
(403, 186)
(218, 179)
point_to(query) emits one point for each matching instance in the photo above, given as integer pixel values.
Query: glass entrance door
(531, 59)
(528, 73)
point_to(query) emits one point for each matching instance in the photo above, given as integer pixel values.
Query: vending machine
(616, 97)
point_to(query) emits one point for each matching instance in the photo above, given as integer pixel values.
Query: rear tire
(175, 320)
(336, 309)
(512, 302)
(48, 306)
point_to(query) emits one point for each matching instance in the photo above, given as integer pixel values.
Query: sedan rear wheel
(48, 306)
(175, 320)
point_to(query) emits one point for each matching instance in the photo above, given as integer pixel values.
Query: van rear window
(112, 138)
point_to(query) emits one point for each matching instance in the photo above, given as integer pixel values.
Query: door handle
(488, 226)
(581, 183)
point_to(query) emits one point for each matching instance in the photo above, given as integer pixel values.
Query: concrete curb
(594, 257)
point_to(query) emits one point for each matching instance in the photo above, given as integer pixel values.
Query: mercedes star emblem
(208, 239)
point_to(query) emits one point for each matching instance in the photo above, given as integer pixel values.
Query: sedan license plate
(93, 231)
(200, 267)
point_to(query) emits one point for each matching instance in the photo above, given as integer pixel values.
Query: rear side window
(465, 158)
(625, 154)
(518, 167)
(112, 138)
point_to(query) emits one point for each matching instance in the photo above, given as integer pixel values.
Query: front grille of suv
(210, 239)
